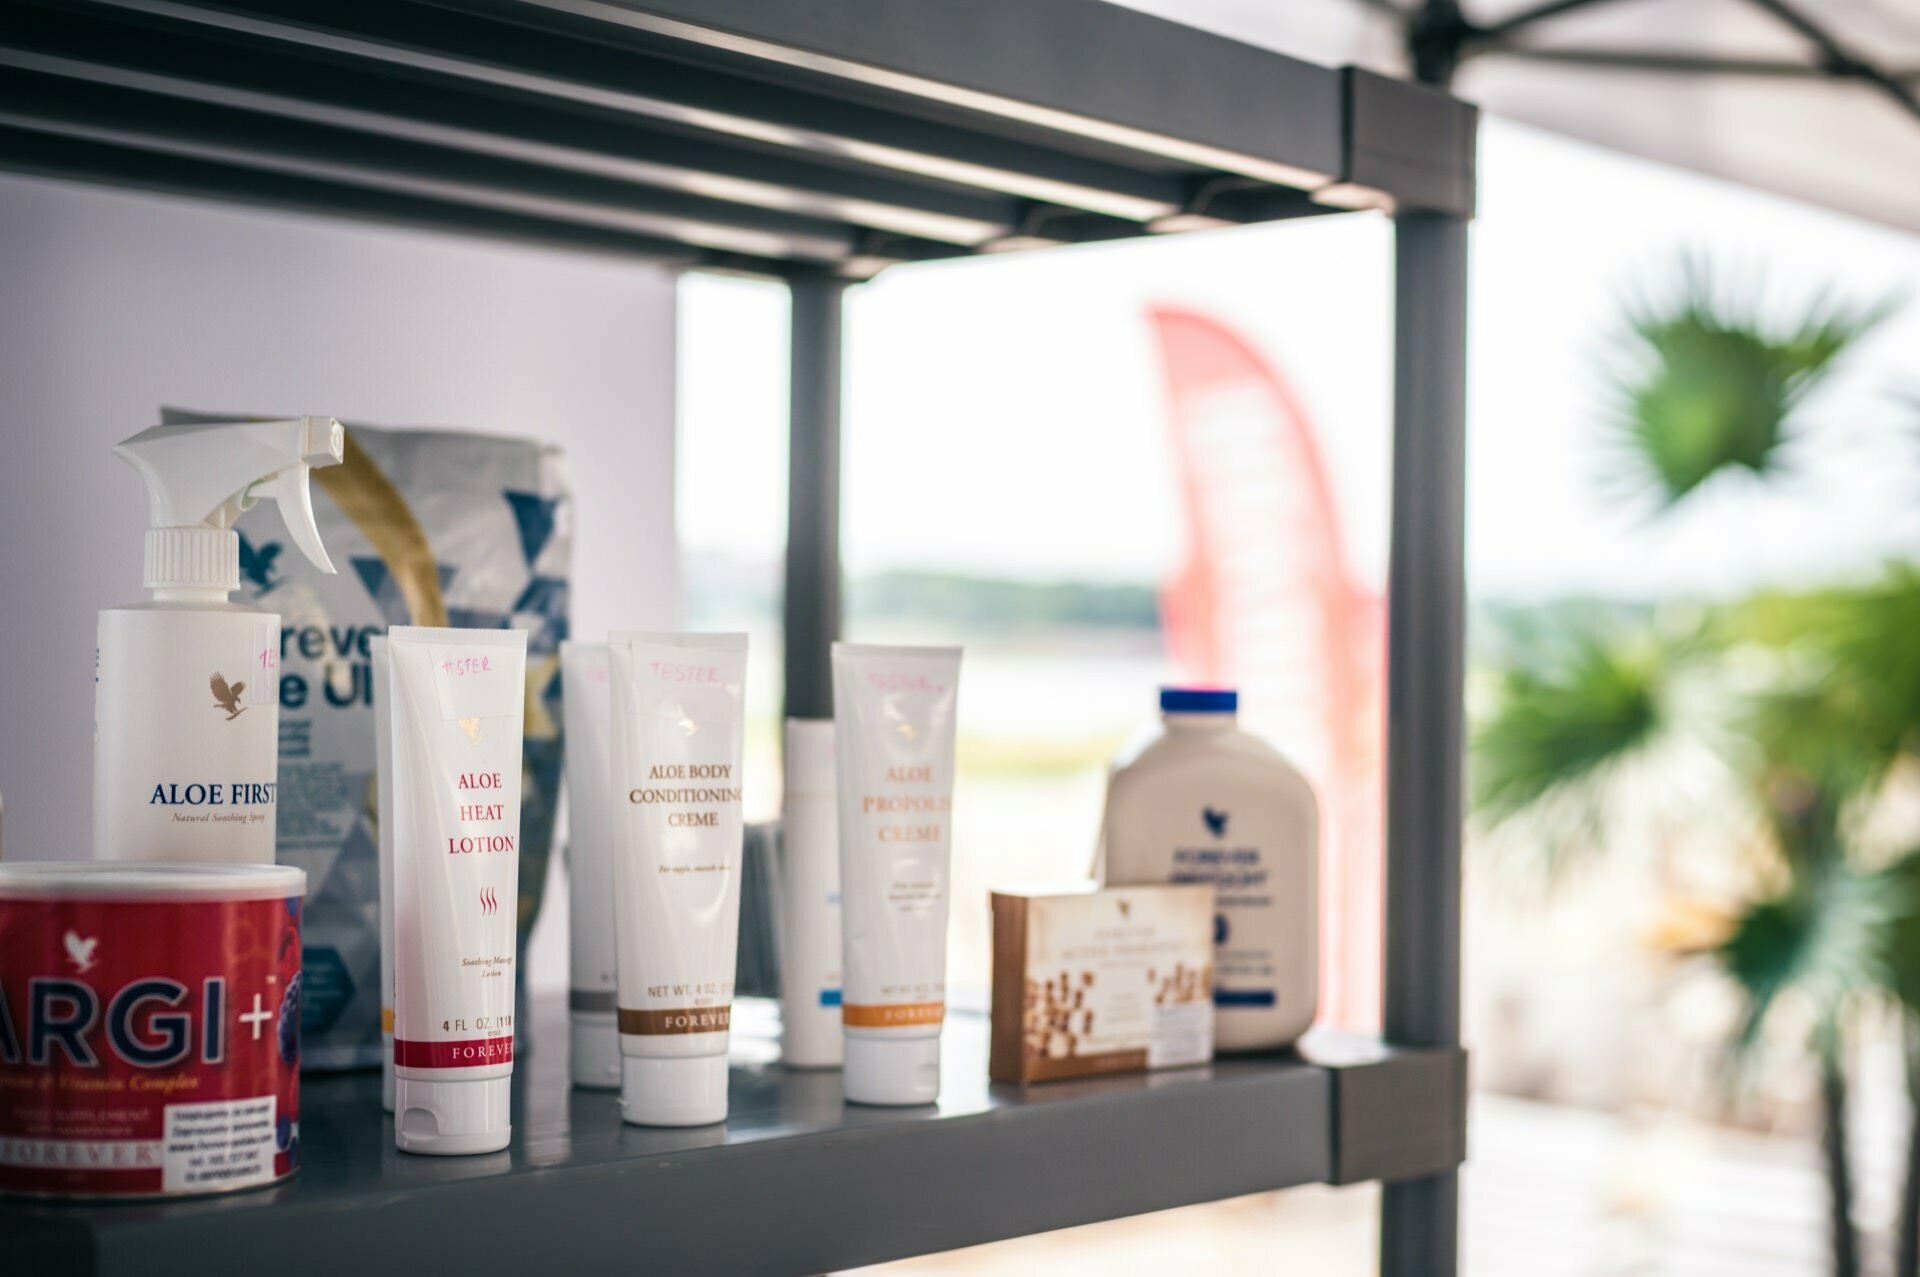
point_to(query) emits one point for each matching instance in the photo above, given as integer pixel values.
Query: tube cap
(892, 1070)
(451, 1118)
(596, 1052)
(1199, 700)
(681, 1090)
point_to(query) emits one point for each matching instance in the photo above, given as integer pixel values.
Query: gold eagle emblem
(228, 697)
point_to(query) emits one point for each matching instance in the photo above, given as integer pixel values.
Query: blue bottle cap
(1199, 700)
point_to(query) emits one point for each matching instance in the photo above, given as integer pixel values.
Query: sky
(1005, 416)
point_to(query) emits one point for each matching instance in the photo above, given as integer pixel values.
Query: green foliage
(1565, 718)
(1711, 387)
(1825, 938)
(1901, 881)
(1871, 639)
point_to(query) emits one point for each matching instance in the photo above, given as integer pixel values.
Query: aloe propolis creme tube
(676, 838)
(457, 705)
(894, 724)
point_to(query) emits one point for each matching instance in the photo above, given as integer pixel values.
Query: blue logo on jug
(1216, 821)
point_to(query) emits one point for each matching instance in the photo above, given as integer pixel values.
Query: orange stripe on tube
(892, 1015)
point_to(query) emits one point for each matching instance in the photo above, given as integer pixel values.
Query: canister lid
(123, 880)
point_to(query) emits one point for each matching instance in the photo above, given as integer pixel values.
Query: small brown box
(1089, 981)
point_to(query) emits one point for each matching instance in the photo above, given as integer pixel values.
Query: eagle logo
(227, 697)
(80, 952)
(1216, 821)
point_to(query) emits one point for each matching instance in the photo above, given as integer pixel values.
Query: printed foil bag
(426, 528)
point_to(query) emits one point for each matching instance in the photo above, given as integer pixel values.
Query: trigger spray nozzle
(200, 478)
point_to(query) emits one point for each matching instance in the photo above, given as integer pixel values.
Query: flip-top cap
(452, 1118)
(892, 1070)
(680, 1090)
(596, 1052)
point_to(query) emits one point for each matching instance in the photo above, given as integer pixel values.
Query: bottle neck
(1214, 722)
(191, 565)
(188, 594)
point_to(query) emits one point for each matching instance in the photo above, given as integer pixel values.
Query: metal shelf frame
(795, 1181)
(819, 142)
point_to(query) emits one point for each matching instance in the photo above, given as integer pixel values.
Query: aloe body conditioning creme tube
(676, 839)
(893, 710)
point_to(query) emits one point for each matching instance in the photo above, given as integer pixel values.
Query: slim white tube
(590, 996)
(383, 827)
(676, 754)
(810, 900)
(457, 714)
(893, 713)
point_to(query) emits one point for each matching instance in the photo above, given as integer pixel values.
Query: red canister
(149, 1028)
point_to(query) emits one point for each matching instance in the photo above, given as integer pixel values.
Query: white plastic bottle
(592, 982)
(810, 900)
(186, 742)
(1203, 801)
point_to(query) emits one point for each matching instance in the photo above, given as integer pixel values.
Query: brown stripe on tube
(679, 1020)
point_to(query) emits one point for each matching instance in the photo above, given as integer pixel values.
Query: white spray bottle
(186, 722)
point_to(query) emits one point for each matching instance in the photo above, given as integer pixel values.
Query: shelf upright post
(811, 606)
(1426, 620)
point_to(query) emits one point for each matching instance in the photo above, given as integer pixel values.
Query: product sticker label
(220, 1144)
(1182, 1034)
(477, 681)
(261, 662)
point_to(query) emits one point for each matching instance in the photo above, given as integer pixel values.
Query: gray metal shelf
(838, 135)
(794, 1182)
(821, 141)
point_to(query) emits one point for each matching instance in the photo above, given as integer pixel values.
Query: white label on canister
(218, 1144)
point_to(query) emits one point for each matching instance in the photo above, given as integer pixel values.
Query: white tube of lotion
(458, 708)
(677, 708)
(590, 996)
(810, 900)
(383, 826)
(894, 721)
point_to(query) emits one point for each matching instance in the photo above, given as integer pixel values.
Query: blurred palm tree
(1574, 724)
(1707, 385)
